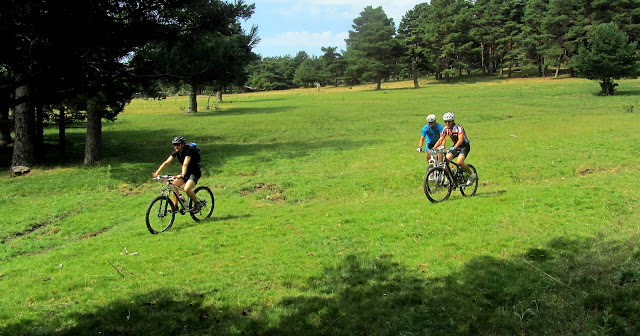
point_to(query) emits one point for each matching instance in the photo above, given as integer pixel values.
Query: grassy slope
(321, 226)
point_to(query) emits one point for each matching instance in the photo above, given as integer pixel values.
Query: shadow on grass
(134, 155)
(570, 287)
(623, 92)
(138, 168)
(241, 111)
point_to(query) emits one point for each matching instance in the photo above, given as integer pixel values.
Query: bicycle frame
(169, 188)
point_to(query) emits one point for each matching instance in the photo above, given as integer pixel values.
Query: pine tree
(609, 56)
(371, 47)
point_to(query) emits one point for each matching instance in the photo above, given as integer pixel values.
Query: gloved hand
(419, 149)
(441, 147)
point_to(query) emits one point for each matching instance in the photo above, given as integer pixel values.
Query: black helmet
(178, 140)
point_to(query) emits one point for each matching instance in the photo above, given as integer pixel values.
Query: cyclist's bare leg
(189, 187)
(462, 164)
(446, 166)
(178, 183)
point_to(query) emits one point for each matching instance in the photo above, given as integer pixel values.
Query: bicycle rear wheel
(205, 196)
(437, 185)
(160, 214)
(469, 190)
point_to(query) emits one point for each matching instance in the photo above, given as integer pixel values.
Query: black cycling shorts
(462, 150)
(192, 176)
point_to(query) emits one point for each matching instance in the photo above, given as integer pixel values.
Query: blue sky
(286, 27)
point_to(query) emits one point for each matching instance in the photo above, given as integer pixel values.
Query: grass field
(321, 226)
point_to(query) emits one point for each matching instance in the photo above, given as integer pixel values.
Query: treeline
(85, 60)
(455, 37)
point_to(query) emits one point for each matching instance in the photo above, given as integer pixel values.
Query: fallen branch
(116, 269)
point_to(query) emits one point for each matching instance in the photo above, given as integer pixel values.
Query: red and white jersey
(454, 133)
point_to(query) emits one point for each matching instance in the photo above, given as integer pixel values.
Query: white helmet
(449, 116)
(431, 118)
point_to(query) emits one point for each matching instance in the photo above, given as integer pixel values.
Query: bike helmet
(449, 116)
(178, 140)
(431, 118)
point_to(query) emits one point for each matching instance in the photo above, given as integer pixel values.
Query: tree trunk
(509, 73)
(93, 144)
(379, 84)
(414, 74)
(219, 96)
(24, 114)
(484, 73)
(39, 137)
(193, 99)
(540, 61)
(5, 124)
(62, 135)
(558, 71)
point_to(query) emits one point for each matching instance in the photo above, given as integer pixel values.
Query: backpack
(197, 157)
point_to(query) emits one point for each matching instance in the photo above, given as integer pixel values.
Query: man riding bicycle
(461, 145)
(189, 157)
(430, 131)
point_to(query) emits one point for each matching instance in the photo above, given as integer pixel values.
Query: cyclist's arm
(440, 141)
(162, 166)
(185, 164)
(421, 142)
(460, 140)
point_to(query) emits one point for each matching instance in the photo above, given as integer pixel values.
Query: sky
(286, 27)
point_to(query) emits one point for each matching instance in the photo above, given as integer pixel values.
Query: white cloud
(305, 39)
(289, 26)
(346, 8)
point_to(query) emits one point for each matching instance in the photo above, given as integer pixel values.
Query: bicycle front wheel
(437, 185)
(205, 196)
(160, 214)
(469, 190)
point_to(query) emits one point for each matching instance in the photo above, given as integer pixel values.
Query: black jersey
(194, 164)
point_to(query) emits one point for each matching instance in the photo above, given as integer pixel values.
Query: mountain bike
(439, 181)
(162, 211)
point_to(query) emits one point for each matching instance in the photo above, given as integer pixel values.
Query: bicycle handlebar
(440, 150)
(168, 178)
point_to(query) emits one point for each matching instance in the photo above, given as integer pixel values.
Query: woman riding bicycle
(189, 157)
(461, 145)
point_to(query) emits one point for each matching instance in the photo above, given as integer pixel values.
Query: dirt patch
(93, 234)
(589, 171)
(127, 190)
(40, 225)
(273, 190)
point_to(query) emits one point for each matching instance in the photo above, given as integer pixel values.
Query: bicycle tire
(204, 194)
(160, 214)
(469, 190)
(437, 185)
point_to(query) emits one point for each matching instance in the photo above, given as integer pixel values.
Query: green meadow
(321, 226)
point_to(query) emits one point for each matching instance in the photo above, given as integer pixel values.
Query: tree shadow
(132, 155)
(241, 111)
(570, 287)
(622, 92)
(137, 168)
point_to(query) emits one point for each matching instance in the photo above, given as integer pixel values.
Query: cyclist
(190, 173)
(461, 145)
(432, 131)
